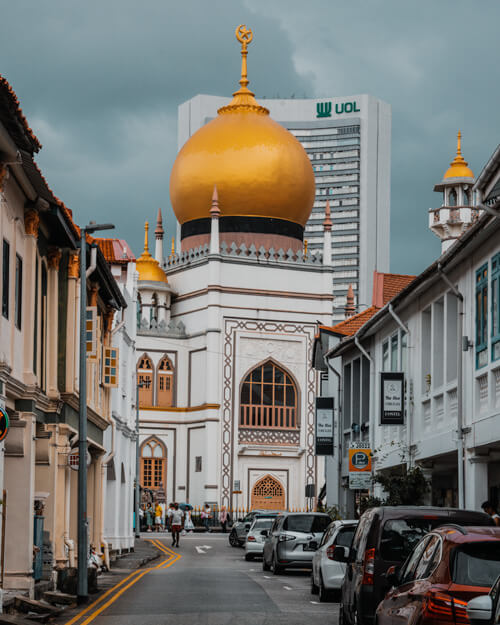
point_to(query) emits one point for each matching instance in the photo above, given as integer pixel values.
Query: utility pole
(137, 460)
(82, 585)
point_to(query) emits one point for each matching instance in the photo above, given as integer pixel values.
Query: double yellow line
(95, 608)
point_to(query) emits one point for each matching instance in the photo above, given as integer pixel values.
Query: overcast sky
(100, 82)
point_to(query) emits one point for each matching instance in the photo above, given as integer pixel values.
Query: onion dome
(149, 269)
(262, 172)
(458, 167)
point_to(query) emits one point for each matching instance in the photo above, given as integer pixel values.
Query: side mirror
(313, 545)
(264, 533)
(341, 554)
(392, 576)
(480, 610)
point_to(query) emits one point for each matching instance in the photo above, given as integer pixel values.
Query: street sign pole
(82, 586)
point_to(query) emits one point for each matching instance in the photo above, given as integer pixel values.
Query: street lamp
(82, 586)
(137, 460)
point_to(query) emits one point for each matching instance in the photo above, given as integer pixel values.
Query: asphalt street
(207, 582)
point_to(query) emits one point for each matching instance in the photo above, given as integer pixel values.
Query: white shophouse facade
(419, 333)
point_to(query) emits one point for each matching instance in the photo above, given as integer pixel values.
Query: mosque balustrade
(153, 327)
(274, 436)
(242, 251)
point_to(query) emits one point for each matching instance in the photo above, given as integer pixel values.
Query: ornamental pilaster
(73, 265)
(31, 223)
(54, 258)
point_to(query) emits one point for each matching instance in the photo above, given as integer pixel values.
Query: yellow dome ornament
(149, 269)
(261, 170)
(458, 167)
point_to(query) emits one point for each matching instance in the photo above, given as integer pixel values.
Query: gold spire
(459, 166)
(172, 251)
(327, 223)
(243, 99)
(305, 247)
(214, 209)
(146, 265)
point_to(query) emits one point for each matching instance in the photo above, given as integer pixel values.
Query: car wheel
(324, 594)
(265, 565)
(277, 569)
(314, 588)
(233, 539)
(248, 557)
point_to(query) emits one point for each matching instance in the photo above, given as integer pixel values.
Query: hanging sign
(392, 394)
(360, 468)
(324, 426)
(74, 459)
(4, 423)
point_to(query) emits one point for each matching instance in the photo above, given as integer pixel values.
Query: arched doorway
(268, 494)
(165, 386)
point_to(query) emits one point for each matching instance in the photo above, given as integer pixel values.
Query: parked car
(293, 539)
(385, 537)
(327, 575)
(257, 534)
(447, 568)
(485, 609)
(238, 533)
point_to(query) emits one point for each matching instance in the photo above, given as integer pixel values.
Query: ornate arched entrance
(268, 494)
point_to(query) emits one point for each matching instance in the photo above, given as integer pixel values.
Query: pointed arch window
(165, 382)
(268, 399)
(465, 197)
(139, 311)
(153, 311)
(145, 381)
(452, 198)
(153, 464)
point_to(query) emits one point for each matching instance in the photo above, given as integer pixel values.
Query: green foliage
(334, 513)
(405, 488)
(369, 502)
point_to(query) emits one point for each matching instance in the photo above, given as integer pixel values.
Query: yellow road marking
(174, 557)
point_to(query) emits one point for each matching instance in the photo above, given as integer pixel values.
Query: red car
(449, 566)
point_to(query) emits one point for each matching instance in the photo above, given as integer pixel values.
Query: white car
(257, 534)
(327, 575)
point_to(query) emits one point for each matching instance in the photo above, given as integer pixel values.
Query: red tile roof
(115, 251)
(10, 106)
(385, 287)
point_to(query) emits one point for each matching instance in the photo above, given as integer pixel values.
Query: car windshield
(306, 523)
(476, 564)
(263, 524)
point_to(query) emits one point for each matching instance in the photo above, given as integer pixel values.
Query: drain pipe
(405, 329)
(339, 425)
(460, 428)
(372, 389)
(70, 544)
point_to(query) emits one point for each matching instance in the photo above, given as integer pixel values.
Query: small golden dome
(459, 166)
(259, 167)
(149, 268)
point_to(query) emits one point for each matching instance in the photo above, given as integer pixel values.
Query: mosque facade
(227, 319)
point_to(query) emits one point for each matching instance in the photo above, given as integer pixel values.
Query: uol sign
(324, 109)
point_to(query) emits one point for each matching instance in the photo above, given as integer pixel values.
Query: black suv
(385, 537)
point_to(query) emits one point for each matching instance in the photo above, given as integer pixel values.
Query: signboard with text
(324, 426)
(392, 396)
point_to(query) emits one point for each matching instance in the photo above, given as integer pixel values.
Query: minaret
(327, 236)
(214, 227)
(159, 239)
(350, 309)
(457, 212)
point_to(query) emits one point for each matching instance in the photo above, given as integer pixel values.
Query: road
(207, 582)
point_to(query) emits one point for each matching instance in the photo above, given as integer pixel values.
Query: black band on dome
(255, 225)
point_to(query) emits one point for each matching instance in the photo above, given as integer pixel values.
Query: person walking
(158, 518)
(177, 521)
(490, 509)
(149, 517)
(206, 515)
(168, 517)
(223, 519)
(188, 521)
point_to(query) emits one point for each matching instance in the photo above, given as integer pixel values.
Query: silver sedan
(254, 543)
(327, 575)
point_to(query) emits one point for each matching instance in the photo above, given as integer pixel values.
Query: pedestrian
(206, 515)
(490, 509)
(141, 519)
(177, 521)
(168, 519)
(223, 519)
(149, 517)
(158, 518)
(188, 521)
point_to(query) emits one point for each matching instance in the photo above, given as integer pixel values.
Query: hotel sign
(324, 426)
(324, 109)
(392, 392)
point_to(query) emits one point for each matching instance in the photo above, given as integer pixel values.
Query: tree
(407, 488)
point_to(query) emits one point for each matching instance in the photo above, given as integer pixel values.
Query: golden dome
(149, 268)
(259, 167)
(459, 167)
